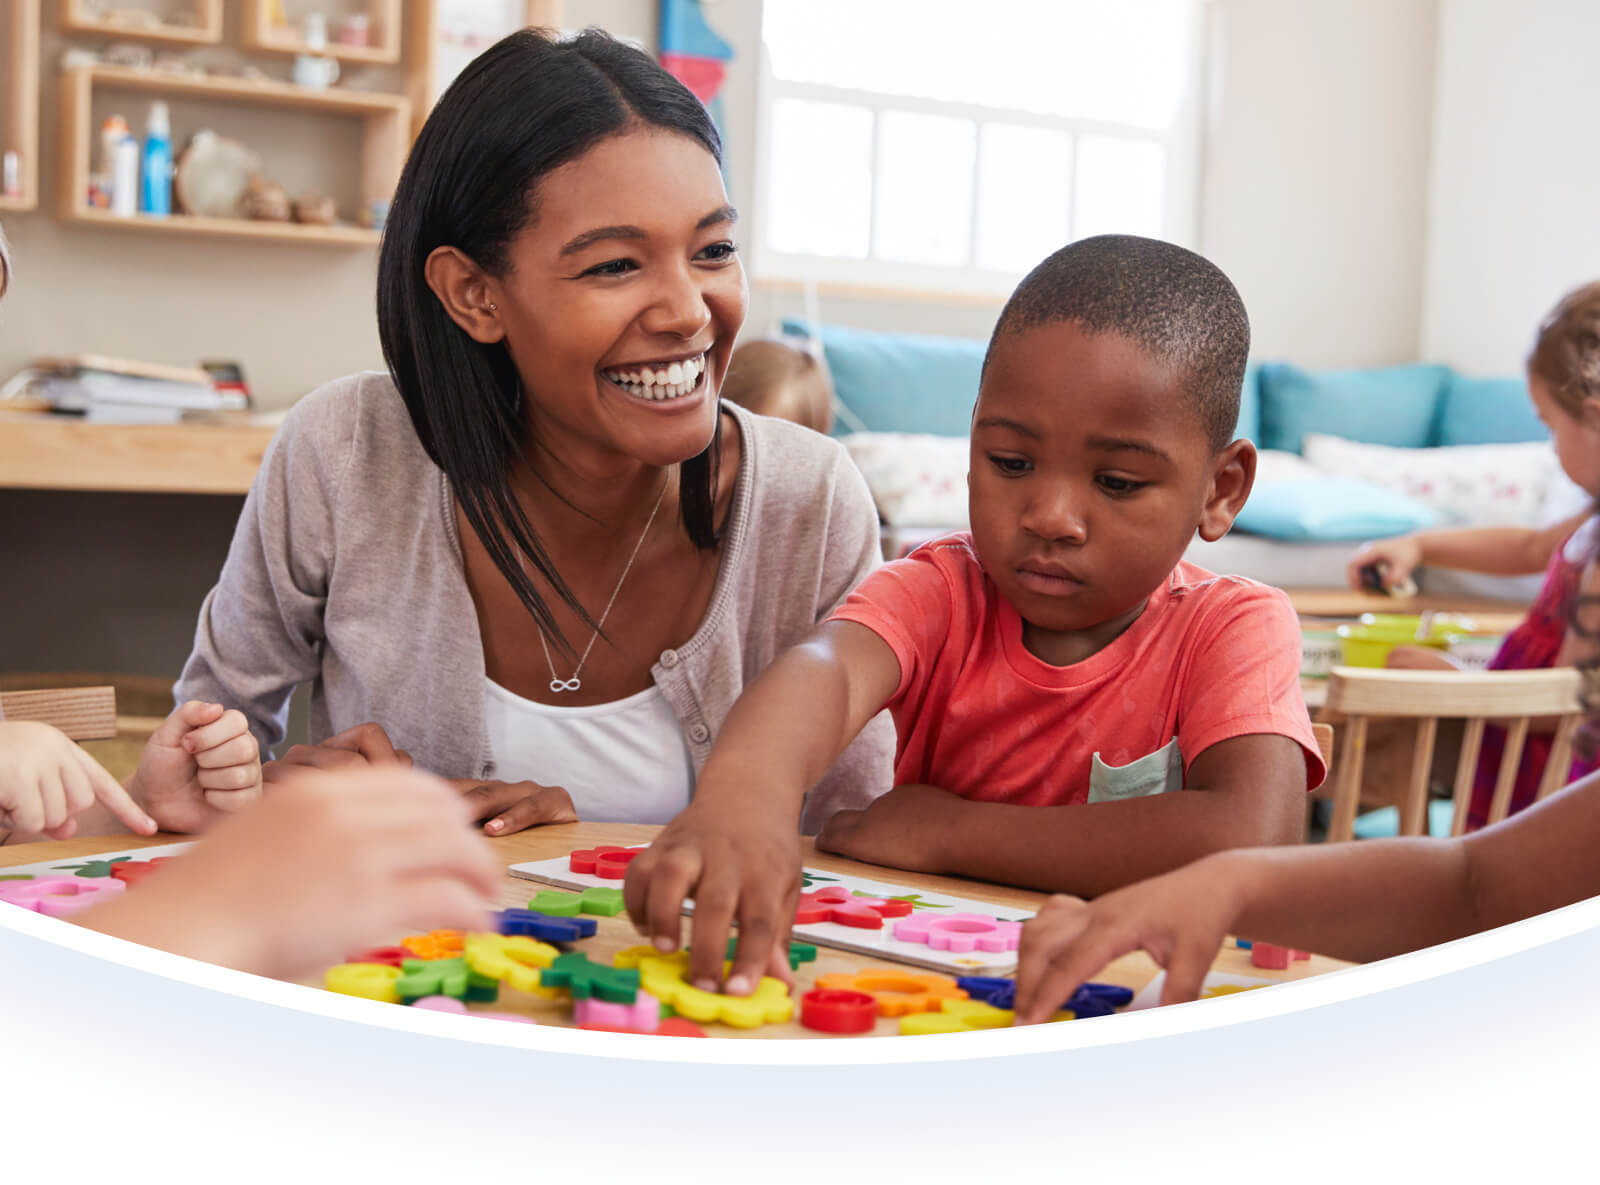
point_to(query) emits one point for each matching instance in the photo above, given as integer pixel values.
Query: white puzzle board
(877, 943)
(69, 865)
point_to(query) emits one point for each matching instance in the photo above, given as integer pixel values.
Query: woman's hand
(514, 806)
(1179, 919)
(354, 748)
(739, 865)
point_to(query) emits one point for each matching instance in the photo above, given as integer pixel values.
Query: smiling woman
(539, 555)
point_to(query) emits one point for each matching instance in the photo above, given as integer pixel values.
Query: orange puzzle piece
(436, 944)
(897, 992)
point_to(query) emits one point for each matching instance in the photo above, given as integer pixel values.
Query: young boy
(1061, 655)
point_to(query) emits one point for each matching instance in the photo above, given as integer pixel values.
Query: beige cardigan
(345, 571)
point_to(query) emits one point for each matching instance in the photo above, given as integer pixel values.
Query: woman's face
(624, 295)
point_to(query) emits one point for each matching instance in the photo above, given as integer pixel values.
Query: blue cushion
(900, 382)
(1331, 508)
(1250, 406)
(1385, 821)
(1394, 405)
(1487, 411)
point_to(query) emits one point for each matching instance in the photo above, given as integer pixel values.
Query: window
(952, 144)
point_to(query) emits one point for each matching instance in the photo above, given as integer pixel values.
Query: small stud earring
(493, 308)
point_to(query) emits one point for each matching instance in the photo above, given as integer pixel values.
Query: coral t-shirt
(1210, 658)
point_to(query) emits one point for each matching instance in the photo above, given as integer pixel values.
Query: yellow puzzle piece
(664, 979)
(372, 981)
(512, 959)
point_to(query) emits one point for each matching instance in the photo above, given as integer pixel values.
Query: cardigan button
(669, 658)
(699, 734)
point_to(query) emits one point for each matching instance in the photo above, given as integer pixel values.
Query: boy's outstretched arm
(1244, 792)
(1361, 901)
(734, 849)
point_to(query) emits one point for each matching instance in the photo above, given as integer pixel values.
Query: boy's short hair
(1177, 305)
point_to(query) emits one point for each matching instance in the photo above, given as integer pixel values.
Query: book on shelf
(119, 391)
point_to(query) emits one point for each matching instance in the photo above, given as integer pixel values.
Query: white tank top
(622, 762)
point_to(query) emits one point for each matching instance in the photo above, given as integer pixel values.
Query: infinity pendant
(560, 685)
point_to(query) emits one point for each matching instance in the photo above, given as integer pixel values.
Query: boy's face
(1090, 475)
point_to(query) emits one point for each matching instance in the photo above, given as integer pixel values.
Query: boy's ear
(1589, 414)
(1232, 475)
(467, 294)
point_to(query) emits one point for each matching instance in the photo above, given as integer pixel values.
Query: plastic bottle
(157, 189)
(112, 133)
(125, 178)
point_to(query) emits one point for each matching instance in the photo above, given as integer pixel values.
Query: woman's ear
(467, 294)
(1232, 475)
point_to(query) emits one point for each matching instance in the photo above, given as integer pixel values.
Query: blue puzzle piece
(533, 924)
(1091, 999)
(1242, 943)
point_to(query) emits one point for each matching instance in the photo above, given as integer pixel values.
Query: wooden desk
(46, 452)
(613, 934)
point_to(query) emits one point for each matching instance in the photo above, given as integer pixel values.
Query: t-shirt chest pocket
(1155, 773)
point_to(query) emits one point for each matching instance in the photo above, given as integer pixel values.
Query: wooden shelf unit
(422, 33)
(46, 452)
(19, 74)
(383, 16)
(387, 139)
(207, 29)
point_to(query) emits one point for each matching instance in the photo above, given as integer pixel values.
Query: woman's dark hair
(524, 107)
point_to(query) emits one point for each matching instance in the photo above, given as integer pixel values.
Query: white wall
(1315, 176)
(1514, 211)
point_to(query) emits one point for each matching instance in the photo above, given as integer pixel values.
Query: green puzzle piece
(574, 971)
(92, 867)
(18, 876)
(444, 977)
(606, 903)
(799, 952)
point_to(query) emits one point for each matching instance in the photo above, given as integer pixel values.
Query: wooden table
(613, 934)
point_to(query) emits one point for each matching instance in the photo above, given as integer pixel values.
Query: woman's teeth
(660, 382)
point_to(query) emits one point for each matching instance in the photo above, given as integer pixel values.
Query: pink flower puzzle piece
(643, 1015)
(60, 896)
(960, 932)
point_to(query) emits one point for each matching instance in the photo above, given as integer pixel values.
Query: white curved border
(1240, 1008)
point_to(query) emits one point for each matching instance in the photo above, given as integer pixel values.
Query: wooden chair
(83, 713)
(1512, 698)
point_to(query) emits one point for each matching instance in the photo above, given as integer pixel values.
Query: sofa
(1345, 455)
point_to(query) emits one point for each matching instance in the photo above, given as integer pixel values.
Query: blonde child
(1564, 383)
(781, 377)
(1076, 706)
(1360, 901)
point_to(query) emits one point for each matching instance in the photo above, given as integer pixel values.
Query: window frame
(1182, 144)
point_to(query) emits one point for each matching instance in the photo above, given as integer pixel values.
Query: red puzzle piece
(834, 904)
(606, 861)
(131, 872)
(389, 956)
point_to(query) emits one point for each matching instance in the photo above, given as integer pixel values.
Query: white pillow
(916, 480)
(1477, 485)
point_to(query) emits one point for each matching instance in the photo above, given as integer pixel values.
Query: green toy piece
(583, 978)
(444, 977)
(808, 878)
(799, 952)
(92, 867)
(560, 904)
(20, 876)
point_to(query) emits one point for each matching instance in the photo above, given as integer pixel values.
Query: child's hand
(738, 866)
(1397, 560)
(1179, 919)
(46, 780)
(324, 865)
(905, 828)
(201, 763)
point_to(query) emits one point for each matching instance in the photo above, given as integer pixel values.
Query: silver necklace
(558, 684)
